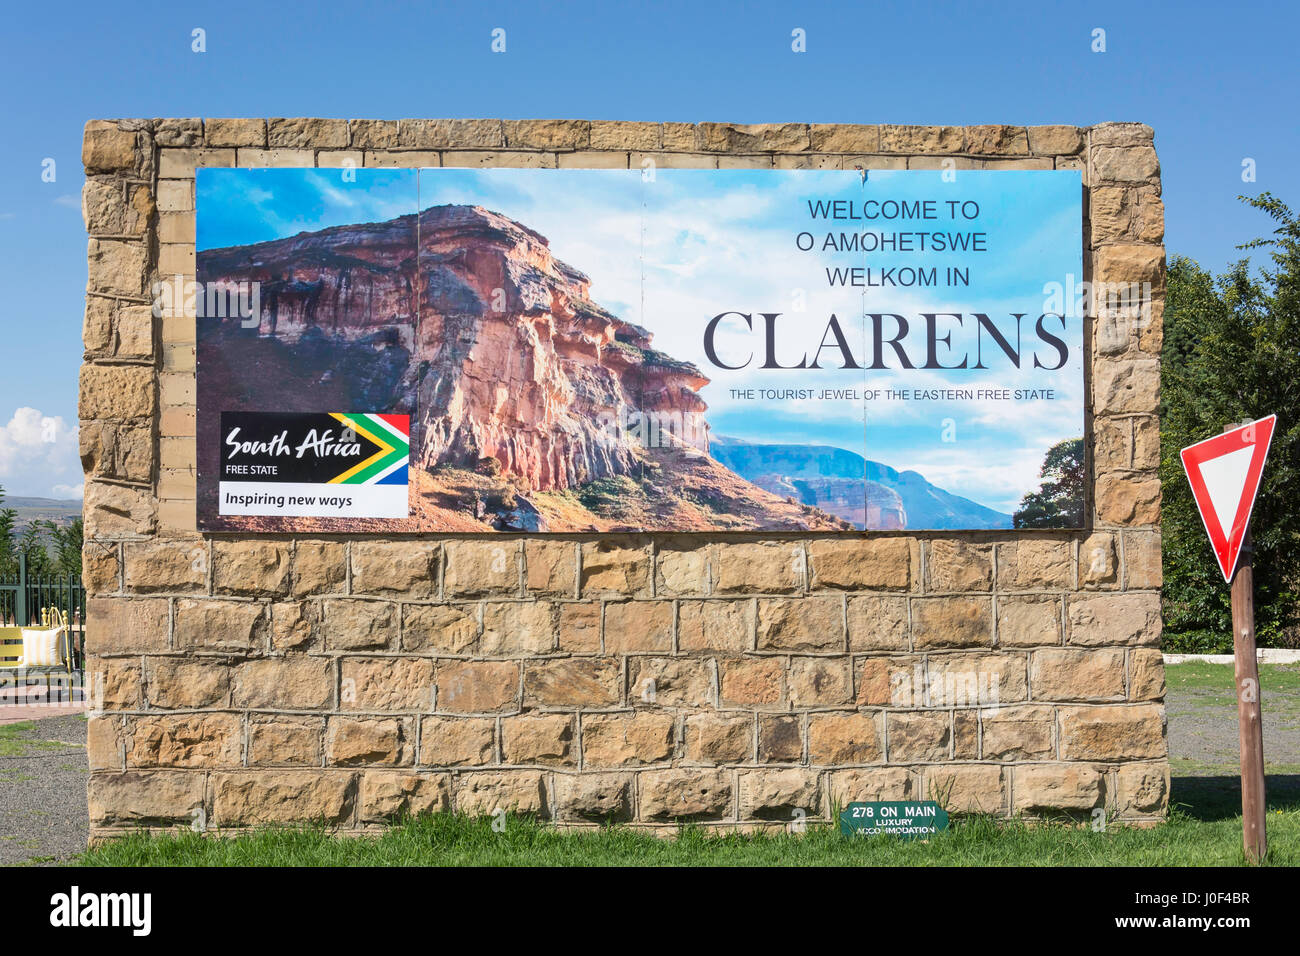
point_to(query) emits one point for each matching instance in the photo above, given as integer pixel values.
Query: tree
(67, 543)
(8, 547)
(31, 545)
(1059, 502)
(1232, 353)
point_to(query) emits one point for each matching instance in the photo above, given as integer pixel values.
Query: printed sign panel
(666, 350)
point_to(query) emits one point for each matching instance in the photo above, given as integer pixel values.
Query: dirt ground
(43, 762)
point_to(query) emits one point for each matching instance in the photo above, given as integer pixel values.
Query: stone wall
(730, 679)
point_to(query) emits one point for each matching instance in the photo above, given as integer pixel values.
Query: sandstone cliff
(533, 408)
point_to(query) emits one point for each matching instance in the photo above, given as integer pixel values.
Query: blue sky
(1217, 82)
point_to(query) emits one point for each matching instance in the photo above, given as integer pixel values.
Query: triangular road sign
(1224, 472)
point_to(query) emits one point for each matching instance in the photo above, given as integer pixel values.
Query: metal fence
(26, 600)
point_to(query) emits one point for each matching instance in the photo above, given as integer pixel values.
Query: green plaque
(905, 819)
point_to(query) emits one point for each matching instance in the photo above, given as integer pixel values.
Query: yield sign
(1224, 473)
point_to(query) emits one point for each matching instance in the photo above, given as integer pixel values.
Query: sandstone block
(126, 625)
(579, 627)
(295, 626)
(372, 134)
(844, 739)
(627, 740)
(997, 140)
(878, 623)
(681, 794)
(184, 740)
(518, 628)
(861, 563)
(258, 568)
(969, 788)
(457, 741)
(952, 622)
(807, 624)
(1098, 561)
(870, 784)
(752, 682)
(319, 567)
(638, 627)
(547, 134)
(254, 797)
(386, 684)
(609, 568)
(118, 510)
(719, 739)
(408, 569)
(1142, 788)
(117, 267)
(1018, 733)
(1126, 499)
(107, 149)
(819, 682)
(780, 738)
(845, 138)
(301, 133)
(922, 139)
(113, 684)
(360, 625)
(226, 626)
(573, 682)
(358, 741)
(769, 568)
(963, 680)
(1046, 787)
(391, 794)
(438, 628)
(478, 687)
(476, 568)
(150, 798)
(1055, 140)
(778, 794)
(682, 571)
(1062, 673)
(670, 682)
(235, 132)
(1029, 621)
(715, 626)
(609, 134)
(1132, 619)
(956, 565)
(180, 684)
(918, 736)
(756, 137)
(514, 791)
(449, 133)
(1142, 562)
(891, 682)
(1032, 564)
(289, 683)
(603, 797)
(1124, 163)
(116, 392)
(166, 565)
(550, 567)
(1146, 674)
(545, 739)
(285, 741)
(1112, 732)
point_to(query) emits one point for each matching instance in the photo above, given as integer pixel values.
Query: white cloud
(39, 455)
(70, 200)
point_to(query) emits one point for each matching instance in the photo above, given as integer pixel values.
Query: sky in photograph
(1216, 82)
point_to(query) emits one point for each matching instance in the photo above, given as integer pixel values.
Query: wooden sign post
(1249, 722)
(1224, 473)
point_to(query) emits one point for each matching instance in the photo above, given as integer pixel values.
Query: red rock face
(526, 369)
(518, 384)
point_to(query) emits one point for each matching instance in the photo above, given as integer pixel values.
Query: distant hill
(825, 477)
(61, 511)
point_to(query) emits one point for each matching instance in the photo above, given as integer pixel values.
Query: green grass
(1195, 675)
(13, 744)
(446, 840)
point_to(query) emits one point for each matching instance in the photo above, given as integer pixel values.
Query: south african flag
(389, 463)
